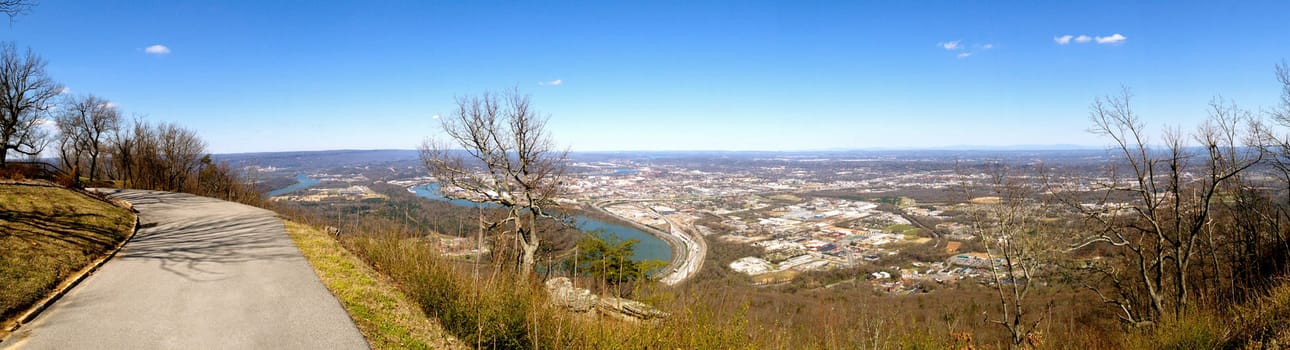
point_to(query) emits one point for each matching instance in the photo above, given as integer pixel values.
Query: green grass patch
(904, 229)
(47, 234)
(387, 318)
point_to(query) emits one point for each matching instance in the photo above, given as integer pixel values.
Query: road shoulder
(387, 318)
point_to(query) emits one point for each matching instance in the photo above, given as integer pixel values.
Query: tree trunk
(94, 160)
(4, 152)
(529, 257)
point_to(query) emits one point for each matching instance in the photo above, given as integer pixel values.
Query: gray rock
(581, 300)
(627, 309)
(565, 295)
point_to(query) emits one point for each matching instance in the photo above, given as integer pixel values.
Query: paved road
(687, 253)
(695, 250)
(209, 275)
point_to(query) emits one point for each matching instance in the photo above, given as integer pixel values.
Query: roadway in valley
(695, 249)
(688, 250)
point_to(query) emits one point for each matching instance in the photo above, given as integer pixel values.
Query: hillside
(385, 315)
(47, 234)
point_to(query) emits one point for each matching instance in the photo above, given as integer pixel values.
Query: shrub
(1196, 330)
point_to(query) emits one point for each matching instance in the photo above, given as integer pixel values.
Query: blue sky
(660, 75)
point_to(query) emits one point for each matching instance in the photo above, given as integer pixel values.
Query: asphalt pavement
(201, 273)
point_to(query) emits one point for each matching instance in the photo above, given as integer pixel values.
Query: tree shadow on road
(197, 240)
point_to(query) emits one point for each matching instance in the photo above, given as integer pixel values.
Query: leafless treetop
(506, 156)
(13, 8)
(25, 94)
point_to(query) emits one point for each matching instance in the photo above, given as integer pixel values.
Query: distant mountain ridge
(1024, 147)
(328, 158)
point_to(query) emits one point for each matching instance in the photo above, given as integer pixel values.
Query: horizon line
(1011, 148)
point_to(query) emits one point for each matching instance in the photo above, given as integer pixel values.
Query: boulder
(627, 309)
(581, 300)
(563, 294)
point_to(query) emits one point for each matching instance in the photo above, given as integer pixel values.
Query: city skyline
(252, 77)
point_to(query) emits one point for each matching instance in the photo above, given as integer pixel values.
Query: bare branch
(506, 157)
(26, 91)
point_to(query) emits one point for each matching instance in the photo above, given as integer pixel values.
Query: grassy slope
(46, 235)
(384, 315)
(489, 310)
(1260, 323)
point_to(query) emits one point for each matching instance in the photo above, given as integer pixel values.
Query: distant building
(353, 191)
(817, 245)
(751, 265)
(973, 260)
(665, 210)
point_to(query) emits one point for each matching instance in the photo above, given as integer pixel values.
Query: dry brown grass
(387, 318)
(47, 234)
(488, 308)
(952, 247)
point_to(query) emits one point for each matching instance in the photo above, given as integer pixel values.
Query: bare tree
(181, 151)
(85, 123)
(25, 95)
(1264, 243)
(1017, 246)
(121, 145)
(506, 158)
(1282, 113)
(164, 157)
(70, 150)
(13, 8)
(1161, 234)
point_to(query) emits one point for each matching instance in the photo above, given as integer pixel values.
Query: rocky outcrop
(581, 300)
(563, 294)
(628, 309)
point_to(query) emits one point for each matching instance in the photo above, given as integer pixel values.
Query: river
(302, 182)
(650, 247)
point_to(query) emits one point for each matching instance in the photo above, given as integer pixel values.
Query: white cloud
(436, 116)
(158, 49)
(65, 90)
(49, 125)
(1113, 39)
(965, 50)
(556, 82)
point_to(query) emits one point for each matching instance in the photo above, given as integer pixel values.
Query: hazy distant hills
(315, 160)
(1056, 147)
(320, 159)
